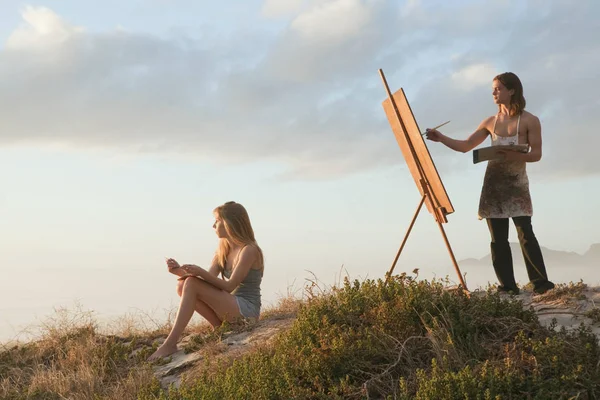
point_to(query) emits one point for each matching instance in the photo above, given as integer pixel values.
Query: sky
(124, 124)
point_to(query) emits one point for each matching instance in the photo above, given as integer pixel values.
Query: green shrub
(411, 340)
(406, 339)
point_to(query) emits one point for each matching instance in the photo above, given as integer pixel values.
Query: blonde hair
(239, 231)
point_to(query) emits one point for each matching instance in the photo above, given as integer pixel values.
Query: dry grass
(70, 359)
(286, 307)
(565, 293)
(73, 357)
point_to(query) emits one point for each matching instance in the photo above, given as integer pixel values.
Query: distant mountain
(551, 257)
(593, 253)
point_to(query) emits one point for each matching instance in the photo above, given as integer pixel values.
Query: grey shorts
(247, 309)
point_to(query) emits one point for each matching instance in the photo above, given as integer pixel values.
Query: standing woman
(505, 192)
(234, 295)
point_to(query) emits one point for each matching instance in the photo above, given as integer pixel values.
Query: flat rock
(231, 344)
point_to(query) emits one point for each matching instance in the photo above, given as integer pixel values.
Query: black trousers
(502, 257)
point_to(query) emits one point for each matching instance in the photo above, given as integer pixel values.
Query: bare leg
(201, 307)
(223, 304)
(219, 304)
(184, 314)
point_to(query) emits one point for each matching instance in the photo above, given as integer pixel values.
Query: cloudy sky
(123, 124)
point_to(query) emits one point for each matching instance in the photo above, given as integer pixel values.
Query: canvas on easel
(421, 166)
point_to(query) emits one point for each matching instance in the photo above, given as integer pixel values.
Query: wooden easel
(423, 175)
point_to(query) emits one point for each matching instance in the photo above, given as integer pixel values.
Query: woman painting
(505, 192)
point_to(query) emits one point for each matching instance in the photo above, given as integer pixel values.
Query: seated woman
(236, 294)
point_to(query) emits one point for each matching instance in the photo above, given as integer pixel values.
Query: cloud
(307, 96)
(474, 75)
(42, 28)
(333, 22)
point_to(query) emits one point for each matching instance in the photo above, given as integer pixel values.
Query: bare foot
(163, 351)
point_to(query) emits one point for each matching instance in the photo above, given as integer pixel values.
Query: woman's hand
(174, 267)
(434, 135)
(191, 269)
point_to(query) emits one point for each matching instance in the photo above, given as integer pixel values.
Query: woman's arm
(534, 135)
(215, 268)
(463, 146)
(247, 257)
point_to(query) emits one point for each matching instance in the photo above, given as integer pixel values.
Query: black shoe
(543, 287)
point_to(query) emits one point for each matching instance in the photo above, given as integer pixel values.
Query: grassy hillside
(405, 340)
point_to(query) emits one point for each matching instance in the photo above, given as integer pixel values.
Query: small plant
(594, 315)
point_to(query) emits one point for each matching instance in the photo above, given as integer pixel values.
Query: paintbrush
(439, 126)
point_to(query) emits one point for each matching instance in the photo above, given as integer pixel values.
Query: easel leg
(389, 274)
(462, 282)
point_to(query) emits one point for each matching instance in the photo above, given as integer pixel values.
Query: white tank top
(505, 140)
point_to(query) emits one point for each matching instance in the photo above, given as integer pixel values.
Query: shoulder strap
(238, 256)
(494, 128)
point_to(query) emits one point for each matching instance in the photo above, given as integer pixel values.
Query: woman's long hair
(239, 231)
(517, 100)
